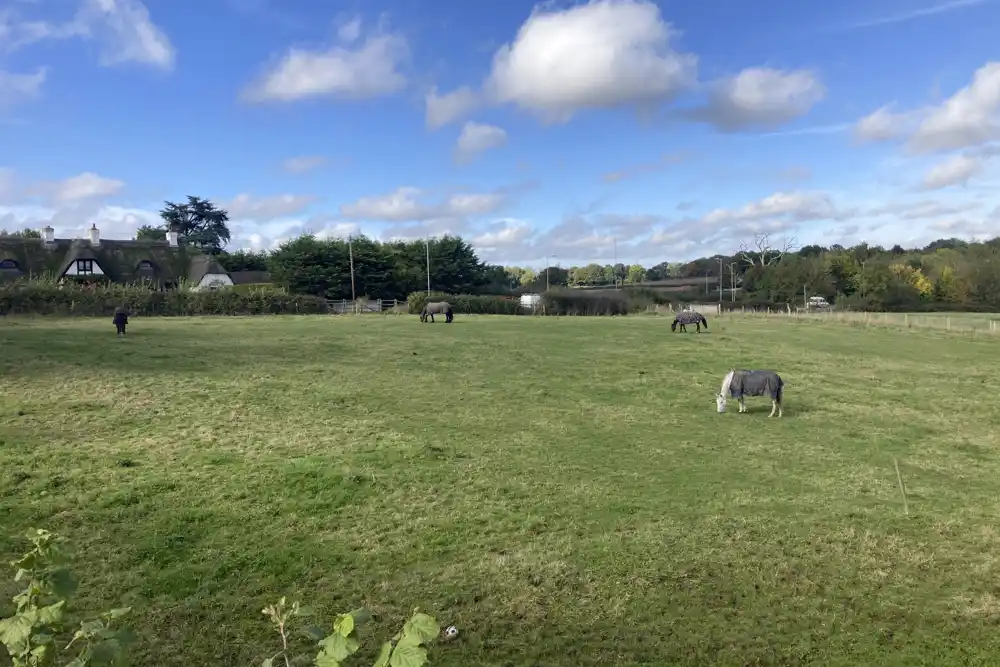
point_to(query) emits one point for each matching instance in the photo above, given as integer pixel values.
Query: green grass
(561, 489)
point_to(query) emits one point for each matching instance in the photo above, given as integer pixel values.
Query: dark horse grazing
(739, 384)
(689, 317)
(436, 308)
(120, 320)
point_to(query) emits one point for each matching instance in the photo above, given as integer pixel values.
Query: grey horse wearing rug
(689, 317)
(436, 308)
(740, 384)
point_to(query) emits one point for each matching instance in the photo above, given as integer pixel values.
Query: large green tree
(199, 223)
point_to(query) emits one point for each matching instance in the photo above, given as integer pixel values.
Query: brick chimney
(172, 237)
(49, 234)
(95, 235)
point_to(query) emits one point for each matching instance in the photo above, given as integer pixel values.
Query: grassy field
(561, 489)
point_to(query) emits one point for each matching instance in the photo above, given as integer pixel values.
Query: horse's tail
(780, 394)
(704, 322)
(673, 325)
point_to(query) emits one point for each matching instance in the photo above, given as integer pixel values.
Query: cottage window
(145, 265)
(8, 264)
(84, 267)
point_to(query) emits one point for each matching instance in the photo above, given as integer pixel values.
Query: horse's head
(720, 403)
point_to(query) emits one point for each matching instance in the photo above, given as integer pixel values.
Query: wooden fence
(360, 306)
(987, 323)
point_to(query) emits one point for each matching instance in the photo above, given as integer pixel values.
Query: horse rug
(756, 383)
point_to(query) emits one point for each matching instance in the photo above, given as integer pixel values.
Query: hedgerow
(46, 298)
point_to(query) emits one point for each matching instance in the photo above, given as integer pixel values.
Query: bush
(576, 302)
(40, 298)
(467, 303)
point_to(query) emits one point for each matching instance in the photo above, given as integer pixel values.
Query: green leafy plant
(405, 649)
(29, 636)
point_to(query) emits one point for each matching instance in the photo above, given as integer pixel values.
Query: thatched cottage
(162, 263)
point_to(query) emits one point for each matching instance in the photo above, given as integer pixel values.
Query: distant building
(163, 264)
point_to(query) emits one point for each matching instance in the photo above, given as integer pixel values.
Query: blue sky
(568, 130)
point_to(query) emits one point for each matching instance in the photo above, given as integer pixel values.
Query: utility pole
(350, 254)
(720, 279)
(732, 282)
(546, 273)
(614, 266)
(427, 245)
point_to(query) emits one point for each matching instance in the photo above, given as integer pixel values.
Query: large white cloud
(350, 69)
(620, 53)
(967, 119)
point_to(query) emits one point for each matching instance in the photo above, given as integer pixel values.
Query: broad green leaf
(422, 626)
(336, 649)
(407, 654)
(51, 614)
(383, 655)
(15, 631)
(344, 625)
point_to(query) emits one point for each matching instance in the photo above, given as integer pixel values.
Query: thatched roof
(121, 261)
(201, 266)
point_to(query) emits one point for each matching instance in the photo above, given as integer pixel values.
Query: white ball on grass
(450, 632)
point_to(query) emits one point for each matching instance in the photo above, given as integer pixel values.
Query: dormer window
(84, 267)
(8, 264)
(145, 266)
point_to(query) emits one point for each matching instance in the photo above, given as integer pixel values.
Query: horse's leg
(432, 317)
(743, 406)
(774, 406)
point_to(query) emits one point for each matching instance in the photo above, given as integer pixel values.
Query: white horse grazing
(740, 384)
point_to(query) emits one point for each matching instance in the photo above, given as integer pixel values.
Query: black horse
(120, 320)
(689, 317)
(436, 308)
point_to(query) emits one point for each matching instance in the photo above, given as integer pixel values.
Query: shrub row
(468, 303)
(47, 299)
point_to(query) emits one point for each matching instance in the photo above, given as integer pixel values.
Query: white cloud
(16, 88)
(350, 31)
(127, 33)
(404, 204)
(114, 222)
(759, 97)
(604, 54)
(304, 163)
(967, 119)
(477, 138)
(372, 69)
(956, 170)
(503, 234)
(444, 109)
(882, 125)
(123, 28)
(87, 185)
(261, 209)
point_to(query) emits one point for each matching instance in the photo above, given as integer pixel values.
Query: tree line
(947, 273)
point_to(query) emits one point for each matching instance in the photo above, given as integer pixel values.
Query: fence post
(947, 323)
